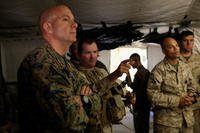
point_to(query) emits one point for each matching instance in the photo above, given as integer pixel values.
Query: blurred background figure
(141, 108)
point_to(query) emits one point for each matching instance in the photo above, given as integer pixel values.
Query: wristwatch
(85, 99)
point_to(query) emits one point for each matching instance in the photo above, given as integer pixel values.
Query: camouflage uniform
(166, 85)
(194, 63)
(101, 123)
(47, 81)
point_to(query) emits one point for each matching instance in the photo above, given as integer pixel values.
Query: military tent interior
(115, 23)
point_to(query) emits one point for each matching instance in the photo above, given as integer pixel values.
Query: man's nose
(74, 24)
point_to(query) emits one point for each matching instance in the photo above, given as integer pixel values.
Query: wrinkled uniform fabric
(194, 63)
(101, 123)
(142, 105)
(47, 81)
(166, 129)
(165, 86)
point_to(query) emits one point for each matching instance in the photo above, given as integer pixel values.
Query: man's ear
(48, 27)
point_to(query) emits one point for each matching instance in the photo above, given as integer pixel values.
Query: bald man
(53, 96)
(171, 90)
(48, 94)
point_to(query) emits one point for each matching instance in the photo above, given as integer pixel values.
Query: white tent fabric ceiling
(137, 11)
(19, 17)
(19, 14)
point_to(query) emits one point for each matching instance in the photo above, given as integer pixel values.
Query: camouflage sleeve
(54, 94)
(102, 85)
(191, 86)
(79, 80)
(155, 94)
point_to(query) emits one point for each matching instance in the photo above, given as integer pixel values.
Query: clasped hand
(186, 101)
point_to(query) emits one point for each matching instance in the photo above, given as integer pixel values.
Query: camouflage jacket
(96, 124)
(47, 83)
(165, 86)
(194, 63)
(98, 77)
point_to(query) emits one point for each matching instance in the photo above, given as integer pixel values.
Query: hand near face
(132, 62)
(123, 67)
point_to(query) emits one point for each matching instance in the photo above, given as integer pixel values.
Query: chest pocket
(115, 109)
(175, 82)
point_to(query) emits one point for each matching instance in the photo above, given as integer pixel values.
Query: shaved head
(170, 48)
(50, 14)
(58, 27)
(166, 41)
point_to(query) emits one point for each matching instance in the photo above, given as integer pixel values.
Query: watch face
(85, 98)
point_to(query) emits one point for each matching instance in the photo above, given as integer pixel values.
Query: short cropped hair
(82, 40)
(164, 43)
(186, 33)
(135, 55)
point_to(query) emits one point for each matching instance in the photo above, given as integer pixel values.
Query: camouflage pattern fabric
(48, 84)
(165, 129)
(115, 109)
(194, 63)
(96, 124)
(102, 123)
(166, 85)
